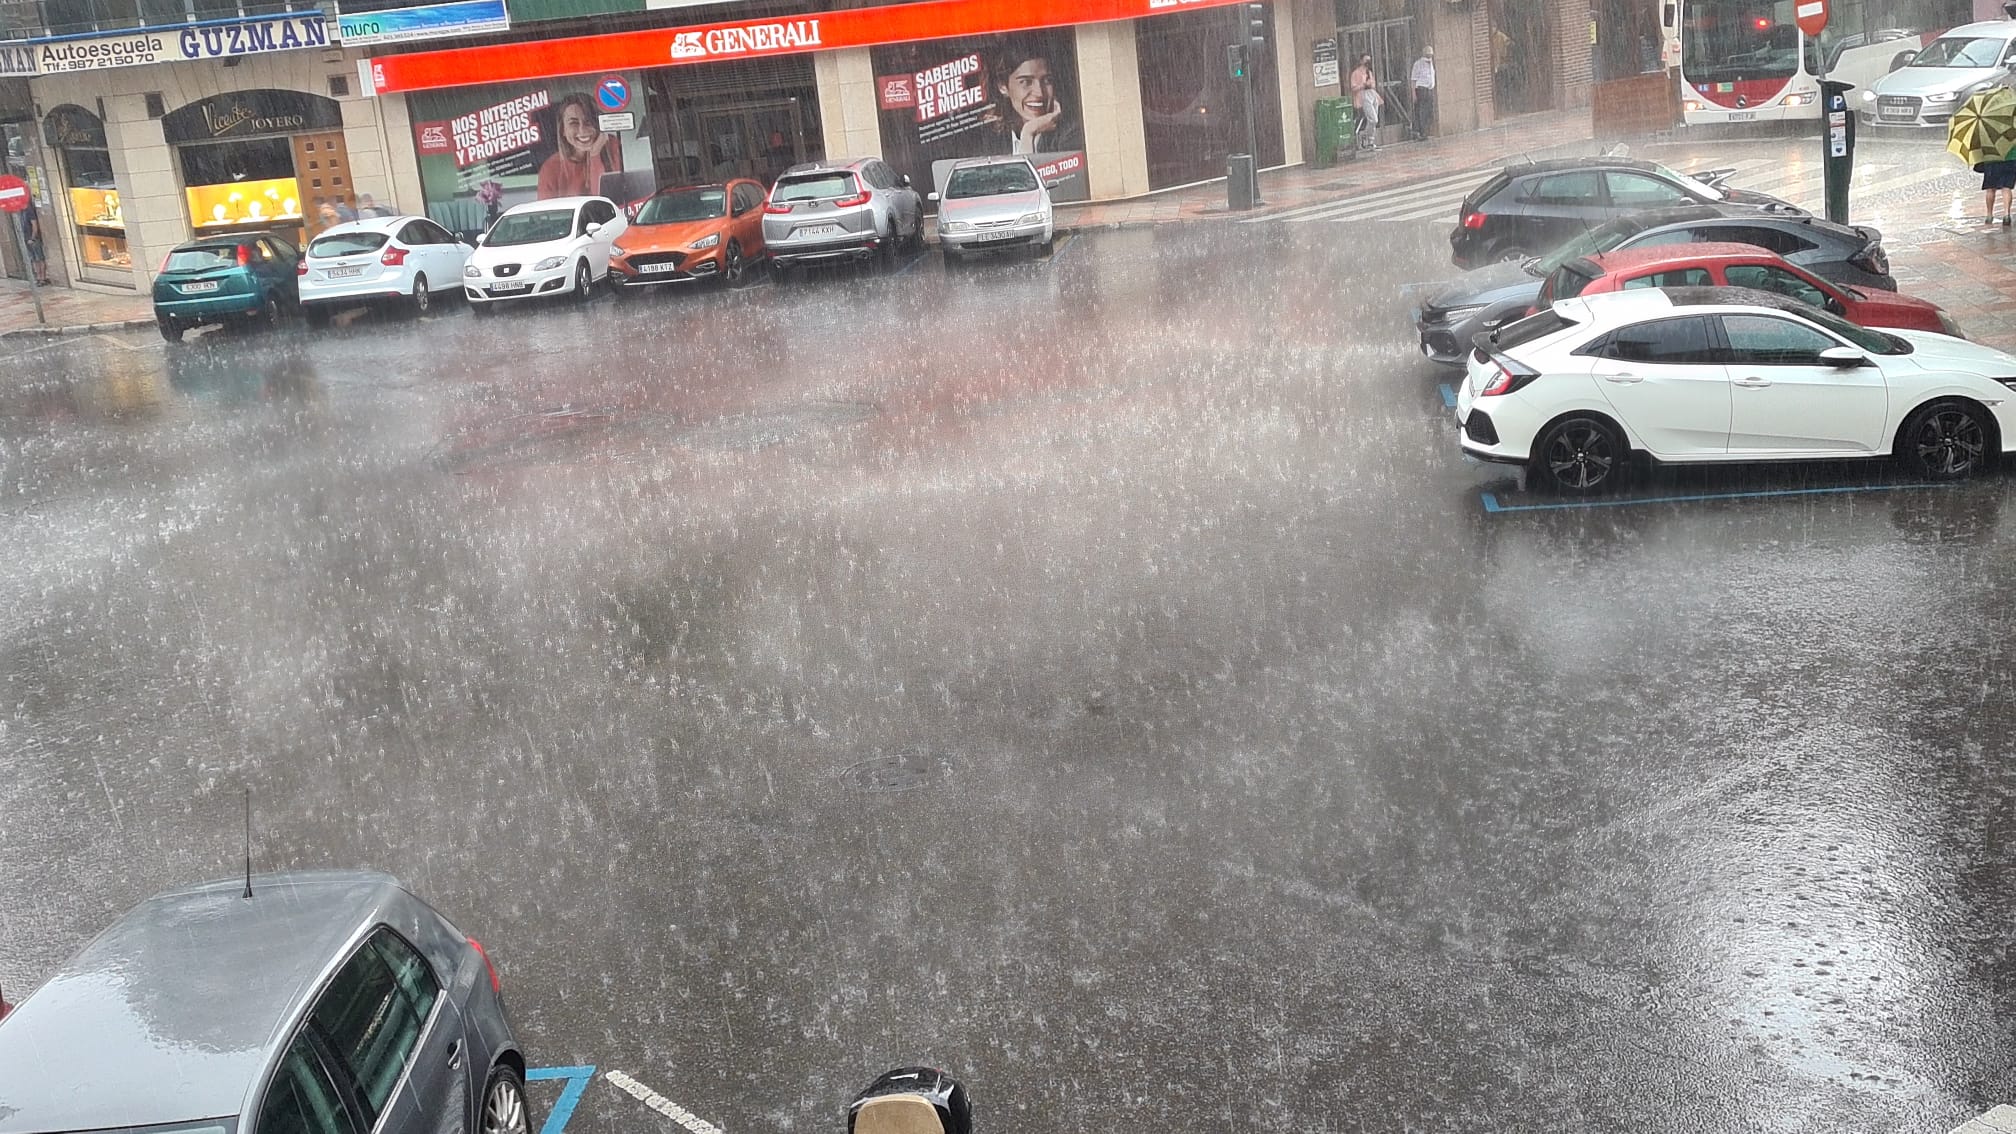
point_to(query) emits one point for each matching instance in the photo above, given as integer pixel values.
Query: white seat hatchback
(543, 248)
(402, 260)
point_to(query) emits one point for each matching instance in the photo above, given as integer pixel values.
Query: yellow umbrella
(1984, 128)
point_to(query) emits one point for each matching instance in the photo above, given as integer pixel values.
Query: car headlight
(1032, 218)
(1803, 98)
(1868, 96)
(471, 271)
(956, 226)
(1942, 96)
(1458, 314)
(705, 242)
(549, 263)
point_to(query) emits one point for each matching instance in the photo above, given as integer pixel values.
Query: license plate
(341, 273)
(516, 285)
(818, 230)
(194, 288)
(654, 269)
(1896, 112)
(1742, 115)
(991, 237)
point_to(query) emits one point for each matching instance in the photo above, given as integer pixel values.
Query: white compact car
(543, 248)
(1726, 375)
(993, 203)
(402, 260)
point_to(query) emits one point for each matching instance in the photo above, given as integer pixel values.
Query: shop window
(1193, 113)
(99, 222)
(243, 184)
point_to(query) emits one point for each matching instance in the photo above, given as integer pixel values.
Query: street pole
(1252, 134)
(21, 249)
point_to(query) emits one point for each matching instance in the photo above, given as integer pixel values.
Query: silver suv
(848, 210)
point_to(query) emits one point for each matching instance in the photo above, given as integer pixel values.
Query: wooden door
(322, 170)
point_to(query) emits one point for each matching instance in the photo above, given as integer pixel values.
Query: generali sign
(747, 39)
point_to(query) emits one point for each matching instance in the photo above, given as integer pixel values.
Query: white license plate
(1742, 115)
(654, 269)
(1896, 112)
(992, 237)
(194, 288)
(514, 285)
(342, 273)
(818, 230)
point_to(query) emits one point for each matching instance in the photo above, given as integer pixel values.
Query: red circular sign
(13, 194)
(1811, 16)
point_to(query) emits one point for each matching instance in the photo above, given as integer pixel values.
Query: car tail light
(244, 254)
(1474, 221)
(1501, 384)
(495, 984)
(1873, 260)
(300, 267)
(164, 264)
(775, 209)
(1512, 375)
(393, 257)
(860, 197)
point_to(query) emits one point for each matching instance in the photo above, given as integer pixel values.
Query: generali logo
(770, 38)
(894, 92)
(434, 138)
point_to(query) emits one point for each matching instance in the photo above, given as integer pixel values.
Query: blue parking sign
(613, 93)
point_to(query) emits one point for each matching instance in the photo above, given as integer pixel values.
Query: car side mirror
(931, 197)
(904, 180)
(480, 238)
(592, 228)
(1844, 357)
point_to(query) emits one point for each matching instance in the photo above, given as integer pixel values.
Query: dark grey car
(330, 1002)
(1484, 299)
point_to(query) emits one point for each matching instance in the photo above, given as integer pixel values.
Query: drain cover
(905, 771)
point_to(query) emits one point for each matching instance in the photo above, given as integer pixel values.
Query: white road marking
(661, 1104)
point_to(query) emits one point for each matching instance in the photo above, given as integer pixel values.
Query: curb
(77, 329)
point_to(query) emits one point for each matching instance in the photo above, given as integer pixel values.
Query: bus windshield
(1735, 41)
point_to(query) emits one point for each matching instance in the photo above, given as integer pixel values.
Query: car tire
(734, 268)
(316, 316)
(1947, 440)
(171, 329)
(270, 315)
(1580, 455)
(505, 1110)
(584, 283)
(1510, 254)
(422, 300)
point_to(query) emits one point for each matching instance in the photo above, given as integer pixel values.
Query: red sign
(1811, 16)
(13, 194)
(750, 39)
(895, 92)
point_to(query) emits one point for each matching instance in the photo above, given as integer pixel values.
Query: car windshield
(990, 180)
(347, 244)
(1592, 241)
(1961, 51)
(206, 1126)
(684, 205)
(531, 228)
(817, 187)
(202, 257)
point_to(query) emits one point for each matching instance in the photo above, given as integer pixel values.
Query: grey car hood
(1489, 286)
(996, 207)
(1921, 81)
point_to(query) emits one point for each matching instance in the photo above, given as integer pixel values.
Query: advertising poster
(483, 149)
(948, 99)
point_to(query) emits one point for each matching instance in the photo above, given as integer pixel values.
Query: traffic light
(1235, 59)
(1256, 25)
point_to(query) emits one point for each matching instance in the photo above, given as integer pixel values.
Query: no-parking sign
(612, 93)
(13, 194)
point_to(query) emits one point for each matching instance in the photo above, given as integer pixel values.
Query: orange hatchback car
(693, 232)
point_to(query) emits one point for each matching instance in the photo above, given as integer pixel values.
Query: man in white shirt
(1422, 82)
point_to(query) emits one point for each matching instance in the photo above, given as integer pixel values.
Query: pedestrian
(1423, 81)
(1364, 85)
(366, 207)
(31, 235)
(1998, 177)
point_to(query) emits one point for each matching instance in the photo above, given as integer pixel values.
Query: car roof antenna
(248, 842)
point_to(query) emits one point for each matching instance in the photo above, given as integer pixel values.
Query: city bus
(1746, 60)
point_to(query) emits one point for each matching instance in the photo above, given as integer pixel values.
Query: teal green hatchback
(249, 277)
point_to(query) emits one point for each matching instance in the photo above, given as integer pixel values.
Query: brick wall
(1481, 63)
(1573, 59)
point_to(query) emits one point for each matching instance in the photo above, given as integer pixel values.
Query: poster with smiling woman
(982, 95)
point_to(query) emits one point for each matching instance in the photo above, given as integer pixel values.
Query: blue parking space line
(1448, 396)
(577, 1078)
(1063, 246)
(1491, 504)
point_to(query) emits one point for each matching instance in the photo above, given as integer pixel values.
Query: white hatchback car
(994, 203)
(543, 248)
(403, 259)
(1727, 375)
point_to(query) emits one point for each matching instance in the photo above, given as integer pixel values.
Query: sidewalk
(70, 311)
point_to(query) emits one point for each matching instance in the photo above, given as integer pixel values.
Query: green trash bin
(1336, 132)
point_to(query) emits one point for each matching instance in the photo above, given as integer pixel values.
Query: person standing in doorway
(1422, 83)
(1364, 87)
(38, 253)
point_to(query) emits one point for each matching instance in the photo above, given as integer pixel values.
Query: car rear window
(1486, 191)
(816, 187)
(1535, 326)
(347, 244)
(197, 259)
(1571, 279)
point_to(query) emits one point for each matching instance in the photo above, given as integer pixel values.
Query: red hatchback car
(1740, 265)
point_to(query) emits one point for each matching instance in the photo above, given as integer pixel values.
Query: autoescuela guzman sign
(222, 40)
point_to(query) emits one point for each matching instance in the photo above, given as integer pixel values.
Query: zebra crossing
(1799, 181)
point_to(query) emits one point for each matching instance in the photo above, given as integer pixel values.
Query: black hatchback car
(1483, 299)
(1528, 209)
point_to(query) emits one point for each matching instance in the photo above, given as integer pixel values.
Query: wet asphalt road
(1101, 677)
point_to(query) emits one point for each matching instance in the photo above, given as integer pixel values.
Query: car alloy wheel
(1580, 455)
(1513, 255)
(422, 298)
(171, 329)
(269, 313)
(734, 267)
(504, 1110)
(584, 284)
(1946, 441)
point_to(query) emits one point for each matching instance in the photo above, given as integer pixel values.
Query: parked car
(1490, 297)
(1528, 208)
(1926, 91)
(1725, 375)
(396, 260)
(851, 210)
(248, 277)
(326, 1001)
(694, 232)
(1740, 265)
(545, 248)
(991, 204)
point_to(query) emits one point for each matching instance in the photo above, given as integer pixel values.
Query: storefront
(96, 233)
(1193, 112)
(743, 118)
(270, 160)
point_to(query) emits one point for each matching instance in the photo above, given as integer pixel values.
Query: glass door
(755, 139)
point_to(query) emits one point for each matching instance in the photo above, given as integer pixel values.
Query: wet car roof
(171, 1013)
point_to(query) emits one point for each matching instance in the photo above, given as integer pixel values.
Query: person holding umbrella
(1982, 133)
